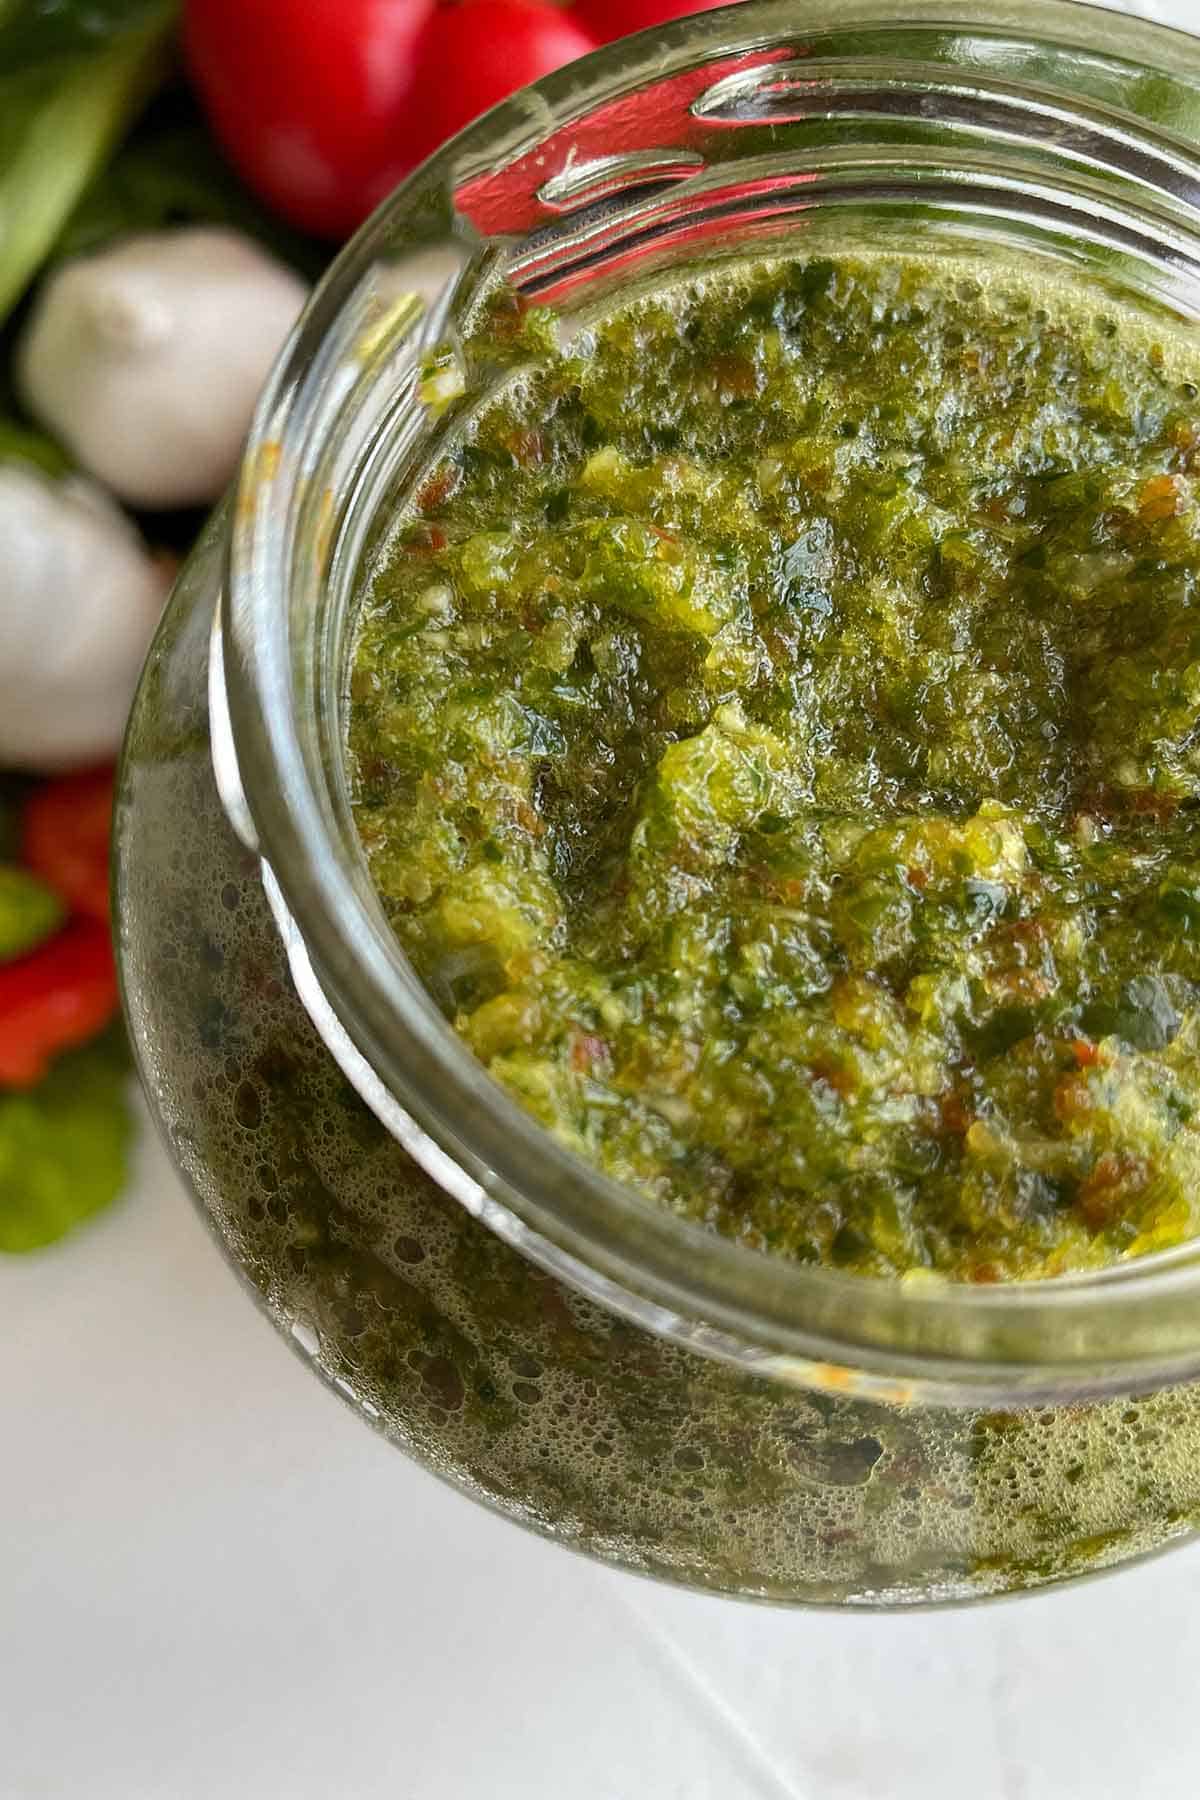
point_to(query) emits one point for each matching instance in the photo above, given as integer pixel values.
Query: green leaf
(29, 911)
(64, 1146)
(74, 75)
(18, 444)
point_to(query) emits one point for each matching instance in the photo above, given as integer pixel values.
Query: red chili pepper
(65, 836)
(60, 995)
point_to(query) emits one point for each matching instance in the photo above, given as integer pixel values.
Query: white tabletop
(216, 1584)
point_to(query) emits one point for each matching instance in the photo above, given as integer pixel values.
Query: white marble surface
(215, 1584)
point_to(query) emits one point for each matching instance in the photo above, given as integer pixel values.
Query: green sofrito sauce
(775, 732)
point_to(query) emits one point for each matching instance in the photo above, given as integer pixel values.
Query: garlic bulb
(145, 359)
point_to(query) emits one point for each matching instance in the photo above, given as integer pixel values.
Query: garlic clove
(146, 359)
(80, 596)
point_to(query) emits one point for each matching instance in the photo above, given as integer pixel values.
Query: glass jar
(548, 1342)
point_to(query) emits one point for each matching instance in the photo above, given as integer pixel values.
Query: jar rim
(1134, 1323)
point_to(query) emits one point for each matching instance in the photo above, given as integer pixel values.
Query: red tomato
(474, 54)
(313, 102)
(609, 19)
(65, 832)
(60, 995)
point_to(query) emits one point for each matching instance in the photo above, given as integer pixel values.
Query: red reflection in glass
(650, 119)
(763, 208)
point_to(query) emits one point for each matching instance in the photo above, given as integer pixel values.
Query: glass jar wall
(603, 1373)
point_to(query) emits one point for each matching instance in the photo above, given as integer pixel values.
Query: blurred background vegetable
(63, 1146)
(319, 119)
(73, 75)
(29, 912)
(145, 358)
(54, 998)
(81, 597)
(65, 828)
